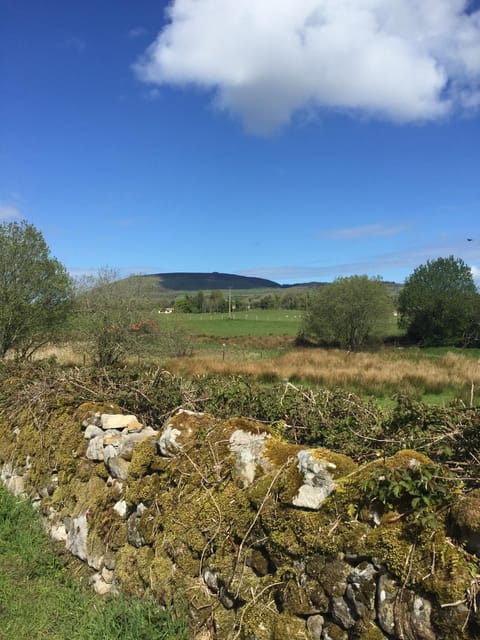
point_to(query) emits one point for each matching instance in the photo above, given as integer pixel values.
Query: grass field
(261, 343)
(253, 323)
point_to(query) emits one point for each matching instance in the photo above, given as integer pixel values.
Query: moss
(127, 570)
(245, 424)
(102, 471)
(144, 490)
(369, 631)
(162, 572)
(150, 525)
(143, 458)
(85, 469)
(294, 600)
(387, 543)
(466, 513)
(290, 627)
(258, 620)
(330, 572)
(343, 464)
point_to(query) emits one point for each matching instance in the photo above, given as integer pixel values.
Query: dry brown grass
(382, 373)
(377, 373)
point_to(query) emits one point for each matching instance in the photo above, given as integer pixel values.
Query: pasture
(261, 344)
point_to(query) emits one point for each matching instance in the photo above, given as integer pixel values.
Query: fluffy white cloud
(404, 60)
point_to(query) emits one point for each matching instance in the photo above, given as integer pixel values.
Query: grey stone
(361, 589)
(134, 537)
(118, 467)
(92, 431)
(315, 626)
(341, 613)
(385, 601)
(95, 449)
(421, 619)
(130, 440)
(77, 532)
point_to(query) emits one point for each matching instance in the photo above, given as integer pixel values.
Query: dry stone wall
(258, 538)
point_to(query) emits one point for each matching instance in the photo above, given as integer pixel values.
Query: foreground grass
(39, 599)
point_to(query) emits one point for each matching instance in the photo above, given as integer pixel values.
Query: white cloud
(403, 60)
(9, 211)
(364, 231)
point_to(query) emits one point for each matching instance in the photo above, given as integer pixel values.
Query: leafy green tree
(216, 302)
(35, 290)
(437, 303)
(349, 312)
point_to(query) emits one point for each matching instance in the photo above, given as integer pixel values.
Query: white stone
(247, 448)
(318, 481)
(77, 532)
(118, 421)
(92, 431)
(100, 586)
(121, 508)
(167, 443)
(95, 449)
(107, 575)
(58, 532)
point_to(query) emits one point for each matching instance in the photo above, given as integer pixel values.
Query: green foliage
(40, 600)
(438, 303)
(350, 312)
(417, 488)
(35, 289)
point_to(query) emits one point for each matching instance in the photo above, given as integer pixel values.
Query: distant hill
(210, 281)
(181, 283)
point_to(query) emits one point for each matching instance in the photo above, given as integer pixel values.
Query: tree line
(438, 305)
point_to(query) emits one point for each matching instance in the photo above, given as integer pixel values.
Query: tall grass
(382, 373)
(41, 600)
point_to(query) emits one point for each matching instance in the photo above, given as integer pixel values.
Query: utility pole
(230, 302)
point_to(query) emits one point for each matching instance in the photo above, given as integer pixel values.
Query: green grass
(253, 323)
(40, 600)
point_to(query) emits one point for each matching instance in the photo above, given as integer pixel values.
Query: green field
(253, 323)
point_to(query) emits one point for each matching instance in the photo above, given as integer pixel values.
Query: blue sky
(302, 140)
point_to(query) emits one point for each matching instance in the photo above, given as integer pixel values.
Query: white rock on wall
(247, 448)
(318, 482)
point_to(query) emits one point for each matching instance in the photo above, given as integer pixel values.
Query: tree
(437, 303)
(35, 290)
(349, 312)
(108, 312)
